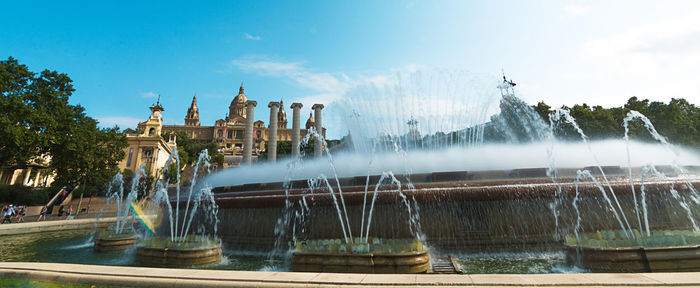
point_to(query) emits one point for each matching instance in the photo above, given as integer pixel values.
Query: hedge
(22, 195)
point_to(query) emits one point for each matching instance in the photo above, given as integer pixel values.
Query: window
(239, 135)
(151, 131)
(128, 160)
(230, 134)
(220, 133)
(148, 155)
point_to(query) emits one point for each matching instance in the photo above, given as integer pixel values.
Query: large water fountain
(430, 174)
(187, 238)
(455, 184)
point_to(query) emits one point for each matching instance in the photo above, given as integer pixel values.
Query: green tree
(679, 120)
(38, 121)
(544, 110)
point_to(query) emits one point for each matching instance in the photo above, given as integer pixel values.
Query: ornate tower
(154, 124)
(237, 107)
(192, 117)
(281, 117)
(310, 122)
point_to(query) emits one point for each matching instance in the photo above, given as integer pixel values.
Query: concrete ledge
(54, 225)
(161, 277)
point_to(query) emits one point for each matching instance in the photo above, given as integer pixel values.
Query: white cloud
(575, 11)
(149, 95)
(660, 59)
(263, 66)
(330, 84)
(122, 122)
(251, 37)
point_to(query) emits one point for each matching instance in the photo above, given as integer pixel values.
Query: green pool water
(76, 246)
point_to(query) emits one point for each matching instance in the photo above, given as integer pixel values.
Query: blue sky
(121, 54)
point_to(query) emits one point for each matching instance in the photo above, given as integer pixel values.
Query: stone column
(36, 179)
(248, 133)
(319, 129)
(272, 142)
(25, 181)
(295, 128)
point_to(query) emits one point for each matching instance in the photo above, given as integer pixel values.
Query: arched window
(151, 131)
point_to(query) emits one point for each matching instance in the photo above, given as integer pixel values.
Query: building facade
(36, 173)
(229, 132)
(148, 147)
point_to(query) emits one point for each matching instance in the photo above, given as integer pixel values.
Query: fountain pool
(76, 247)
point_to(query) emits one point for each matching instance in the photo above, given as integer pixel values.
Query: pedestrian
(69, 212)
(13, 211)
(42, 214)
(6, 213)
(20, 214)
(61, 211)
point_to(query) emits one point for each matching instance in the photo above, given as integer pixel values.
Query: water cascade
(182, 248)
(122, 234)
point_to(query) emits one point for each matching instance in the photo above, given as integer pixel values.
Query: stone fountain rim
(409, 253)
(140, 246)
(567, 173)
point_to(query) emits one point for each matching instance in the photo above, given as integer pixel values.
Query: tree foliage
(678, 120)
(37, 120)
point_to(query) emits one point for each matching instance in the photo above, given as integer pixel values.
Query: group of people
(61, 212)
(68, 213)
(12, 211)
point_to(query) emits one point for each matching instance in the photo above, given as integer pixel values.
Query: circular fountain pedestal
(160, 251)
(393, 256)
(106, 241)
(611, 251)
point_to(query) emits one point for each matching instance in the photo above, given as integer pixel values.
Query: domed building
(228, 132)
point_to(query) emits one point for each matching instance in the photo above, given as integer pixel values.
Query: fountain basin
(108, 241)
(611, 251)
(377, 256)
(474, 215)
(194, 250)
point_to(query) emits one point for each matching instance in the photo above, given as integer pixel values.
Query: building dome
(237, 106)
(240, 98)
(310, 122)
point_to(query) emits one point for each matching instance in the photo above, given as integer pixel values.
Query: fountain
(463, 196)
(359, 254)
(642, 249)
(186, 244)
(120, 235)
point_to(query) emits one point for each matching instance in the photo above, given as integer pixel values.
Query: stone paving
(54, 225)
(161, 277)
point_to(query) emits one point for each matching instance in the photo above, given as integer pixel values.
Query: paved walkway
(161, 277)
(53, 224)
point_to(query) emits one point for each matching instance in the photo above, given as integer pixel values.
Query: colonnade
(273, 129)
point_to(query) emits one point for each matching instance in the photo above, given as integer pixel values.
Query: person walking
(42, 214)
(20, 214)
(69, 212)
(6, 214)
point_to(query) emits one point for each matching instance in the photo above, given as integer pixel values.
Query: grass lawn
(28, 283)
